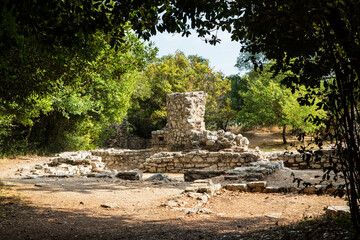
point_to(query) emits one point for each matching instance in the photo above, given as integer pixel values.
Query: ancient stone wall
(296, 160)
(122, 159)
(185, 112)
(203, 159)
(122, 139)
(199, 159)
(159, 141)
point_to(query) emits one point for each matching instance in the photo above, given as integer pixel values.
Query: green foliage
(67, 68)
(88, 97)
(267, 102)
(175, 73)
(239, 84)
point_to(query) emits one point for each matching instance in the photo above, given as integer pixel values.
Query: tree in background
(67, 70)
(176, 73)
(239, 84)
(266, 102)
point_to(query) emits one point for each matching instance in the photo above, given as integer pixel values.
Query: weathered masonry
(185, 144)
(122, 139)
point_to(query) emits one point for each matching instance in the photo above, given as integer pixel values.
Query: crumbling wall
(122, 139)
(297, 160)
(186, 126)
(159, 141)
(218, 140)
(122, 159)
(176, 162)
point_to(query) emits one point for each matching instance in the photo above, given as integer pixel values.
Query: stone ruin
(122, 139)
(186, 128)
(183, 146)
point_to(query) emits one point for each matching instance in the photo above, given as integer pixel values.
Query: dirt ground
(94, 208)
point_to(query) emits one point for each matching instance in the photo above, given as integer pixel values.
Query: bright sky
(222, 57)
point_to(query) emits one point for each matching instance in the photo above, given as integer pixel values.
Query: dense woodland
(69, 69)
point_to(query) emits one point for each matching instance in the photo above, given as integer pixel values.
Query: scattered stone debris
(195, 210)
(204, 186)
(67, 164)
(159, 177)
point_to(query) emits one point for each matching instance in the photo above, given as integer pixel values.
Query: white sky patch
(222, 57)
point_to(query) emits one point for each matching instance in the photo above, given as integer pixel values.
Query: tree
(239, 84)
(67, 69)
(175, 73)
(38, 38)
(267, 103)
(75, 116)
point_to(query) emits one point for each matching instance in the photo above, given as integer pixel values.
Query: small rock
(159, 177)
(272, 189)
(109, 205)
(172, 204)
(337, 210)
(191, 189)
(273, 215)
(129, 175)
(205, 210)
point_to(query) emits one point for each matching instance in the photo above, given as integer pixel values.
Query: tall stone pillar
(185, 112)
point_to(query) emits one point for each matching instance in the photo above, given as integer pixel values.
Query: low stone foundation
(122, 159)
(296, 160)
(176, 162)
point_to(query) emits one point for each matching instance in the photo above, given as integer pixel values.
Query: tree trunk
(284, 134)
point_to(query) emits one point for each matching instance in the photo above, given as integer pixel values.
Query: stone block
(191, 189)
(272, 189)
(129, 175)
(337, 210)
(236, 187)
(257, 184)
(194, 174)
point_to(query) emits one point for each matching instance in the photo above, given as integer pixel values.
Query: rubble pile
(217, 140)
(66, 164)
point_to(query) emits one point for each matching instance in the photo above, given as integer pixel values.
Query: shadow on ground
(89, 185)
(19, 220)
